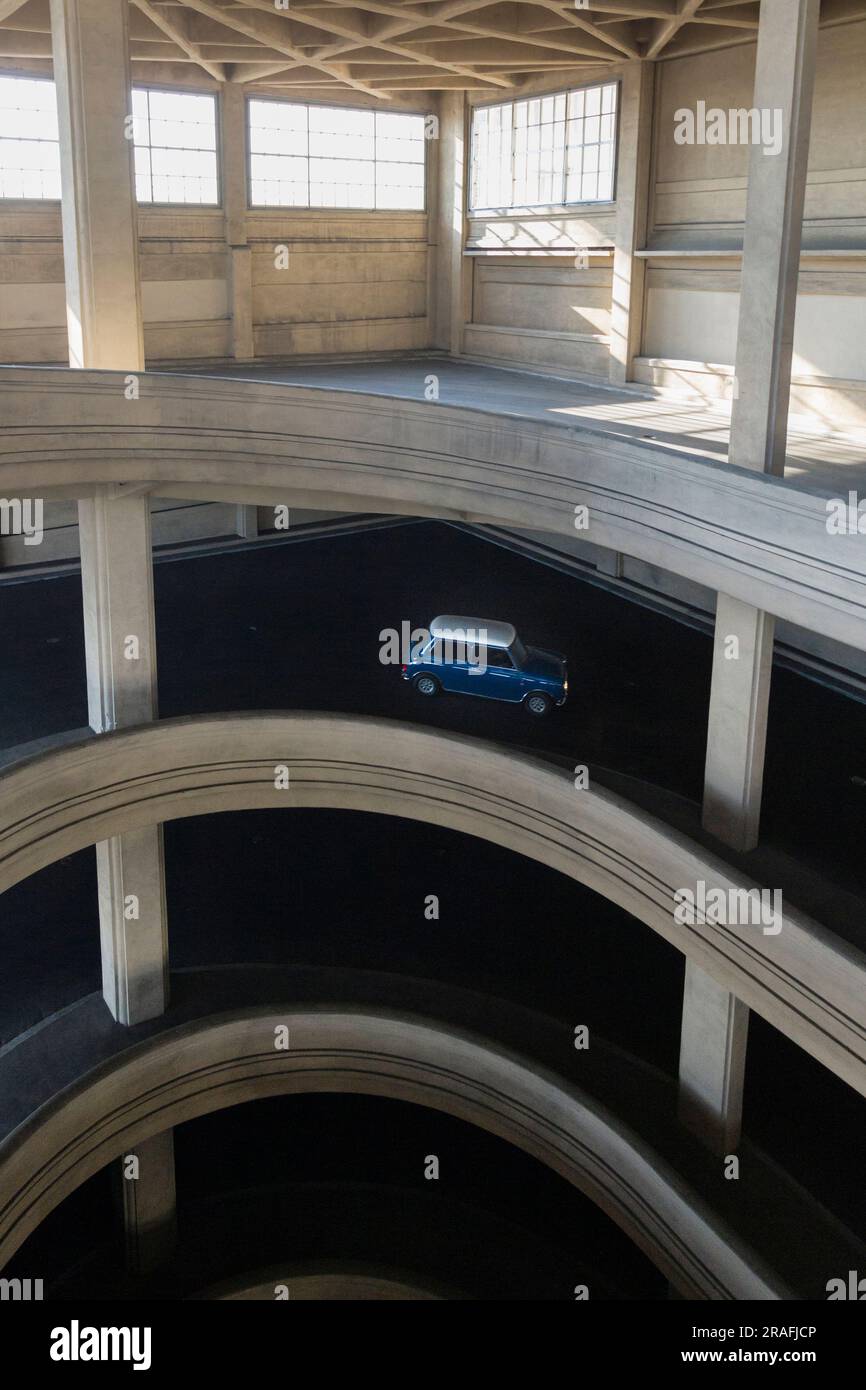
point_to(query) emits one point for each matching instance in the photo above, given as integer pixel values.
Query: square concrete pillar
(784, 78)
(90, 45)
(149, 1202)
(233, 149)
(452, 271)
(100, 249)
(712, 1061)
(632, 197)
(712, 1057)
(120, 649)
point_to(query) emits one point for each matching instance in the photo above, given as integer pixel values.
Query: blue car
(477, 656)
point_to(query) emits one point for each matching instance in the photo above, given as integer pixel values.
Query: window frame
(172, 90)
(563, 202)
(28, 203)
(315, 207)
(34, 203)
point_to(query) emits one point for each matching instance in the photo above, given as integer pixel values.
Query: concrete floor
(827, 463)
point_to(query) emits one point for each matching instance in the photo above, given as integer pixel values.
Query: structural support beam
(233, 108)
(784, 76)
(247, 522)
(712, 1060)
(737, 726)
(100, 228)
(784, 81)
(149, 1202)
(100, 247)
(632, 195)
(451, 273)
(715, 1023)
(120, 647)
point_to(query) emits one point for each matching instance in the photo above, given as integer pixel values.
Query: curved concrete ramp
(69, 433)
(77, 792)
(193, 1070)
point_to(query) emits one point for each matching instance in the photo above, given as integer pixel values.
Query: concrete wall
(541, 314)
(529, 306)
(698, 198)
(183, 272)
(355, 282)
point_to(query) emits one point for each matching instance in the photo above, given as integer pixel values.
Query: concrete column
(713, 1050)
(100, 230)
(149, 1203)
(712, 1060)
(784, 80)
(120, 649)
(451, 280)
(100, 247)
(632, 197)
(233, 146)
(784, 74)
(247, 522)
(117, 590)
(241, 291)
(737, 726)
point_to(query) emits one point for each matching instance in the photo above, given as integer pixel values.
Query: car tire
(538, 704)
(426, 685)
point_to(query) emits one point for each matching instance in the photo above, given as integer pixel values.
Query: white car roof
(456, 628)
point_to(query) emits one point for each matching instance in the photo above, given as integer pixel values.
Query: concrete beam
(120, 650)
(784, 78)
(100, 247)
(451, 269)
(715, 1023)
(149, 1202)
(712, 1060)
(784, 82)
(233, 144)
(632, 198)
(90, 42)
(737, 726)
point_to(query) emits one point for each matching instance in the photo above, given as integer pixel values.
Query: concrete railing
(68, 433)
(72, 792)
(216, 1062)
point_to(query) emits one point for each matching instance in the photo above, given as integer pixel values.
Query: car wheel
(426, 685)
(538, 704)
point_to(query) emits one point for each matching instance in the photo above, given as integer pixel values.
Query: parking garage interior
(318, 322)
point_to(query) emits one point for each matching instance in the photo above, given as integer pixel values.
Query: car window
(495, 656)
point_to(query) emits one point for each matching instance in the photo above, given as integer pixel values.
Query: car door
(448, 663)
(495, 676)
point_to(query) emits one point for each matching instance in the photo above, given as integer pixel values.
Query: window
(334, 157)
(496, 656)
(175, 147)
(551, 149)
(29, 145)
(174, 135)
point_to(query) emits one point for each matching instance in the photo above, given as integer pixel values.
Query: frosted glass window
(29, 143)
(335, 157)
(174, 143)
(175, 147)
(545, 150)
